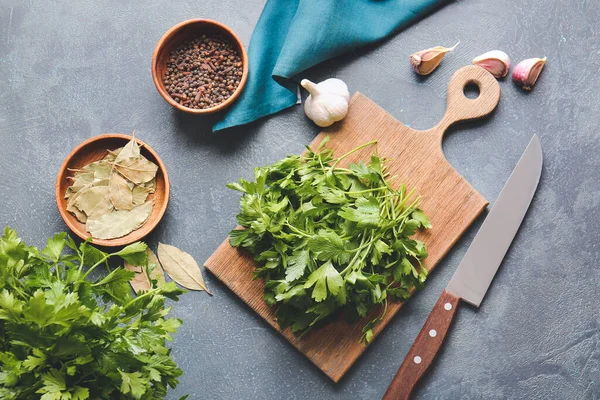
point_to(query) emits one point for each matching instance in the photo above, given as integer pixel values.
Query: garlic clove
(496, 62)
(327, 102)
(426, 61)
(526, 73)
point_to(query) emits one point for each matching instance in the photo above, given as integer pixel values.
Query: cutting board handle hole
(471, 90)
(472, 93)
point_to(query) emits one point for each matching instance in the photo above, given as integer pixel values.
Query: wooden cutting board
(417, 159)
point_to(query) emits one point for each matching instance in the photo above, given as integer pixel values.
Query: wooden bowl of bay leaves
(113, 188)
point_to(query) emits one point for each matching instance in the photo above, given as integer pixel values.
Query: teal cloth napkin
(294, 35)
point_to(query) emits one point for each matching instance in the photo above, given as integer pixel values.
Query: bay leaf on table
(130, 150)
(119, 223)
(181, 267)
(137, 170)
(158, 272)
(141, 282)
(119, 193)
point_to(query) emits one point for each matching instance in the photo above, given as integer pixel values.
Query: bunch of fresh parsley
(328, 238)
(64, 336)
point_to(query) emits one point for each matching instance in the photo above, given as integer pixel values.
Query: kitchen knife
(475, 272)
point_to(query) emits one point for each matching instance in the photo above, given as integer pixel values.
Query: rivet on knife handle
(424, 349)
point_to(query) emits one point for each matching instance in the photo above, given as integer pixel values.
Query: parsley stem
(22, 293)
(296, 230)
(362, 246)
(410, 208)
(367, 190)
(355, 255)
(95, 265)
(149, 292)
(346, 170)
(362, 146)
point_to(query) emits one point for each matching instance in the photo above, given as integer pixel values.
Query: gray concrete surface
(70, 70)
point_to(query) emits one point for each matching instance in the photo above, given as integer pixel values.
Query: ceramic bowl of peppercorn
(200, 66)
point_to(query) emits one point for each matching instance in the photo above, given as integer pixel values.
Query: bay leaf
(100, 182)
(98, 169)
(75, 190)
(140, 194)
(112, 154)
(81, 179)
(151, 184)
(119, 223)
(157, 273)
(70, 192)
(181, 267)
(130, 150)
(119, 193)
(102, 169)
(141, 282)
(104, 206)
(80, 215)
(90, 197)
(80, 172)
(72, 198)
(137, 170)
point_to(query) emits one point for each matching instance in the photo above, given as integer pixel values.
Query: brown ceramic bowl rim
(133, 236)
(171, 33)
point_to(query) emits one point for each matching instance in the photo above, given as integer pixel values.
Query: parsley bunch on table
(65, 336)
(328, 238)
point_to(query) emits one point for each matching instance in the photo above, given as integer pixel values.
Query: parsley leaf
(329, 245)
(328, 238)
(65, 336)
(325, 278)
(366, 213)
(297, 264)
(132, 383)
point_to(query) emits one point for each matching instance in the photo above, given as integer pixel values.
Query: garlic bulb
(328, 101)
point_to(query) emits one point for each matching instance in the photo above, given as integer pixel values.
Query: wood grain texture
(424, 349)
(417, 159)
(95, 149)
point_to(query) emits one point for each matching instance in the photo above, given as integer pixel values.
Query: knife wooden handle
(424, 349)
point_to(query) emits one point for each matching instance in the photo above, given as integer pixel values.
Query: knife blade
(475, 272)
